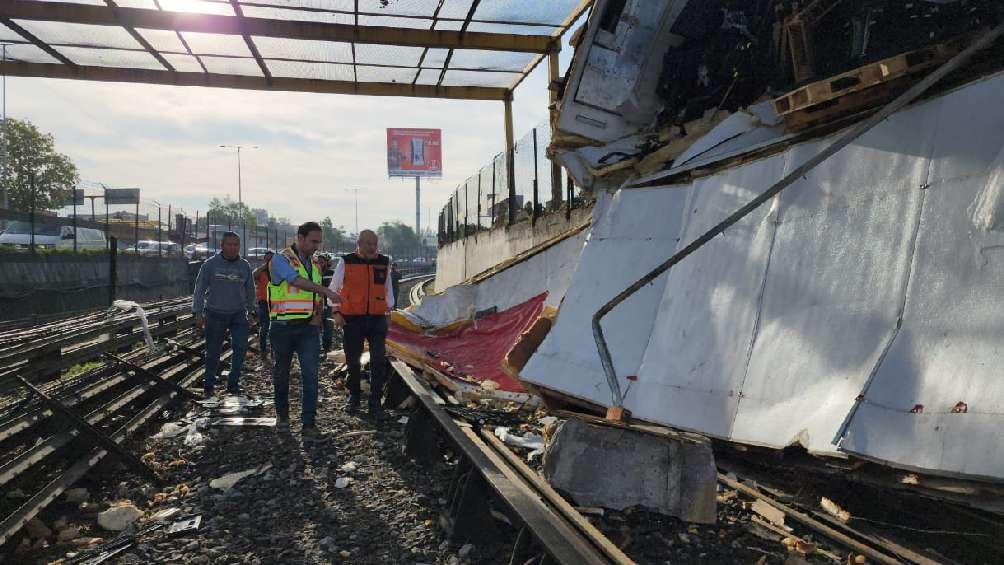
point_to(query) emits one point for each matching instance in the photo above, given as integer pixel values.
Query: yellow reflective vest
(287, 302)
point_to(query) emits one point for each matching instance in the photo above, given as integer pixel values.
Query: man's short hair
(307, 227)
(231, 234)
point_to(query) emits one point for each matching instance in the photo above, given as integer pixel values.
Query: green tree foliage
(226, 211)
(32, 154)
(399, 239)
(334, 237)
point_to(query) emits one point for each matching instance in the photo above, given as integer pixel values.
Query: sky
(312, 147)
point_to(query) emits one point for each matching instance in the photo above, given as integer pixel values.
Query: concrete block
(619, 468)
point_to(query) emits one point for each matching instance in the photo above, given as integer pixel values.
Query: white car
(153, 247)
(48, 236)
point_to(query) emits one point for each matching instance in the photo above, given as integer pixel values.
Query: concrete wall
(53, 283)
(459, 261)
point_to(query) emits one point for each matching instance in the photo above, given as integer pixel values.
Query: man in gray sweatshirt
(224, 301)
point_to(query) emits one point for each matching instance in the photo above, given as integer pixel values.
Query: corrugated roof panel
(297, 15)
(454, 9)
(197, 7)
(490, 60)
(27, 53)
(428, 76)
(162, 40)
(553, 11)
(475, 78)
(231, 66)
(321, 51)
(144, 4)
(384, 74)
(435, 58)
(399, 7)
(512, 29)
(216, 44)
(184, 63)
(392, 21)
(80, 34)
(111, 58)
(322, 71)
(388, 55)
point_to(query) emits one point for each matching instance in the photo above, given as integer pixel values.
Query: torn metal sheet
(859, 313)
(243, 422)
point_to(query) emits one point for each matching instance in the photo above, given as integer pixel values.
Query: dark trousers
(217, 326)
(302, 340)
(263, 323)
(327, 330)
(373, 330)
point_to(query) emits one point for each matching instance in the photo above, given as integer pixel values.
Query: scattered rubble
(119, 517)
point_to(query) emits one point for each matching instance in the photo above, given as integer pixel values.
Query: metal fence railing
(487, 198)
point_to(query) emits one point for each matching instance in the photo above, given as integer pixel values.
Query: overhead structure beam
(247, 40)
(558, 33)
(67, 12)
(148, 76)
(36, 41)
(142, 40)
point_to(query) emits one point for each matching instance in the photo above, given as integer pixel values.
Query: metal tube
(844, 140)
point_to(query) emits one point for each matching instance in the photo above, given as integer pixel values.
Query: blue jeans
(217, 325)
(304, 340)
(263, 323)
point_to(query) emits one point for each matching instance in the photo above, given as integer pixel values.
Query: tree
(31, 154)
(334, 238)
(397, 238)
(228, 211)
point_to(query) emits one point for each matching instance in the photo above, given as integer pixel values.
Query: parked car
(256, 253)
(199, 251)
(49, 236)
(152, 247)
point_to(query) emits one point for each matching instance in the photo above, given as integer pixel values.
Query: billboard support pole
(74, 221)
(418, 206)
(135, 230)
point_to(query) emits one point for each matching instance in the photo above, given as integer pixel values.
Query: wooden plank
(149, 76)
(604, 544)
(865, 77)
(561, 541)
(68, 12)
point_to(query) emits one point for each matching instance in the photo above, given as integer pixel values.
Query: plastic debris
(169, 430)
(529, 441)
(343, 482)
(833, 510)
(227, 482)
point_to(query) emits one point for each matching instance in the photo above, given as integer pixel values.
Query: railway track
(550, 524)
(54, 428)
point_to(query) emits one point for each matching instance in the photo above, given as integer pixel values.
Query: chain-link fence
(487, 198)
(94, 217)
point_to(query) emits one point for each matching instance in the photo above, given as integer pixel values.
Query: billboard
(78, 197)
(414, 152)
(121, 196)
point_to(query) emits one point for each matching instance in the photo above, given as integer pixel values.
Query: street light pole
(240, 195)
(356, 192)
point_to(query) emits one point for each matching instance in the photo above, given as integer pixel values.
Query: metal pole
(74, 221)
(107, 225)
(418, 205)
(510, 163)
(113, 252)
(536, 183)
(31, 244)
(159, 231)
(3, 174)
(168, 222)
(843, 141)
(93, 221)
(135, 229)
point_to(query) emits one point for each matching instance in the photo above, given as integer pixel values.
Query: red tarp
(474, 353)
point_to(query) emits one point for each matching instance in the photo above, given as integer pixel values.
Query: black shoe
(207, 392)
(376, 411)
(310, 433)
(282, 424)
(235, 390)
(352, 406)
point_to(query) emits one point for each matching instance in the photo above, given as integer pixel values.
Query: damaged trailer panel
(858, 312)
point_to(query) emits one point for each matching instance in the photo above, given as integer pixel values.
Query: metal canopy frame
(484, 80)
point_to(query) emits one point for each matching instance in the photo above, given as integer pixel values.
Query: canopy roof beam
(148, 76)
(36, 41)
(139, 18)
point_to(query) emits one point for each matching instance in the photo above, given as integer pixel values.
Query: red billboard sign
(414, 152)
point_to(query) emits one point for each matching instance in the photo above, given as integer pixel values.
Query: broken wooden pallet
(863, 78)
(853, 103)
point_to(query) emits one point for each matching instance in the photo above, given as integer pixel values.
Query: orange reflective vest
(364, 289)
(287, 302)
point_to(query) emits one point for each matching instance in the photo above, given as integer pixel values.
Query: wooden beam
(285, 29)
(147, 76)
(553, 74)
